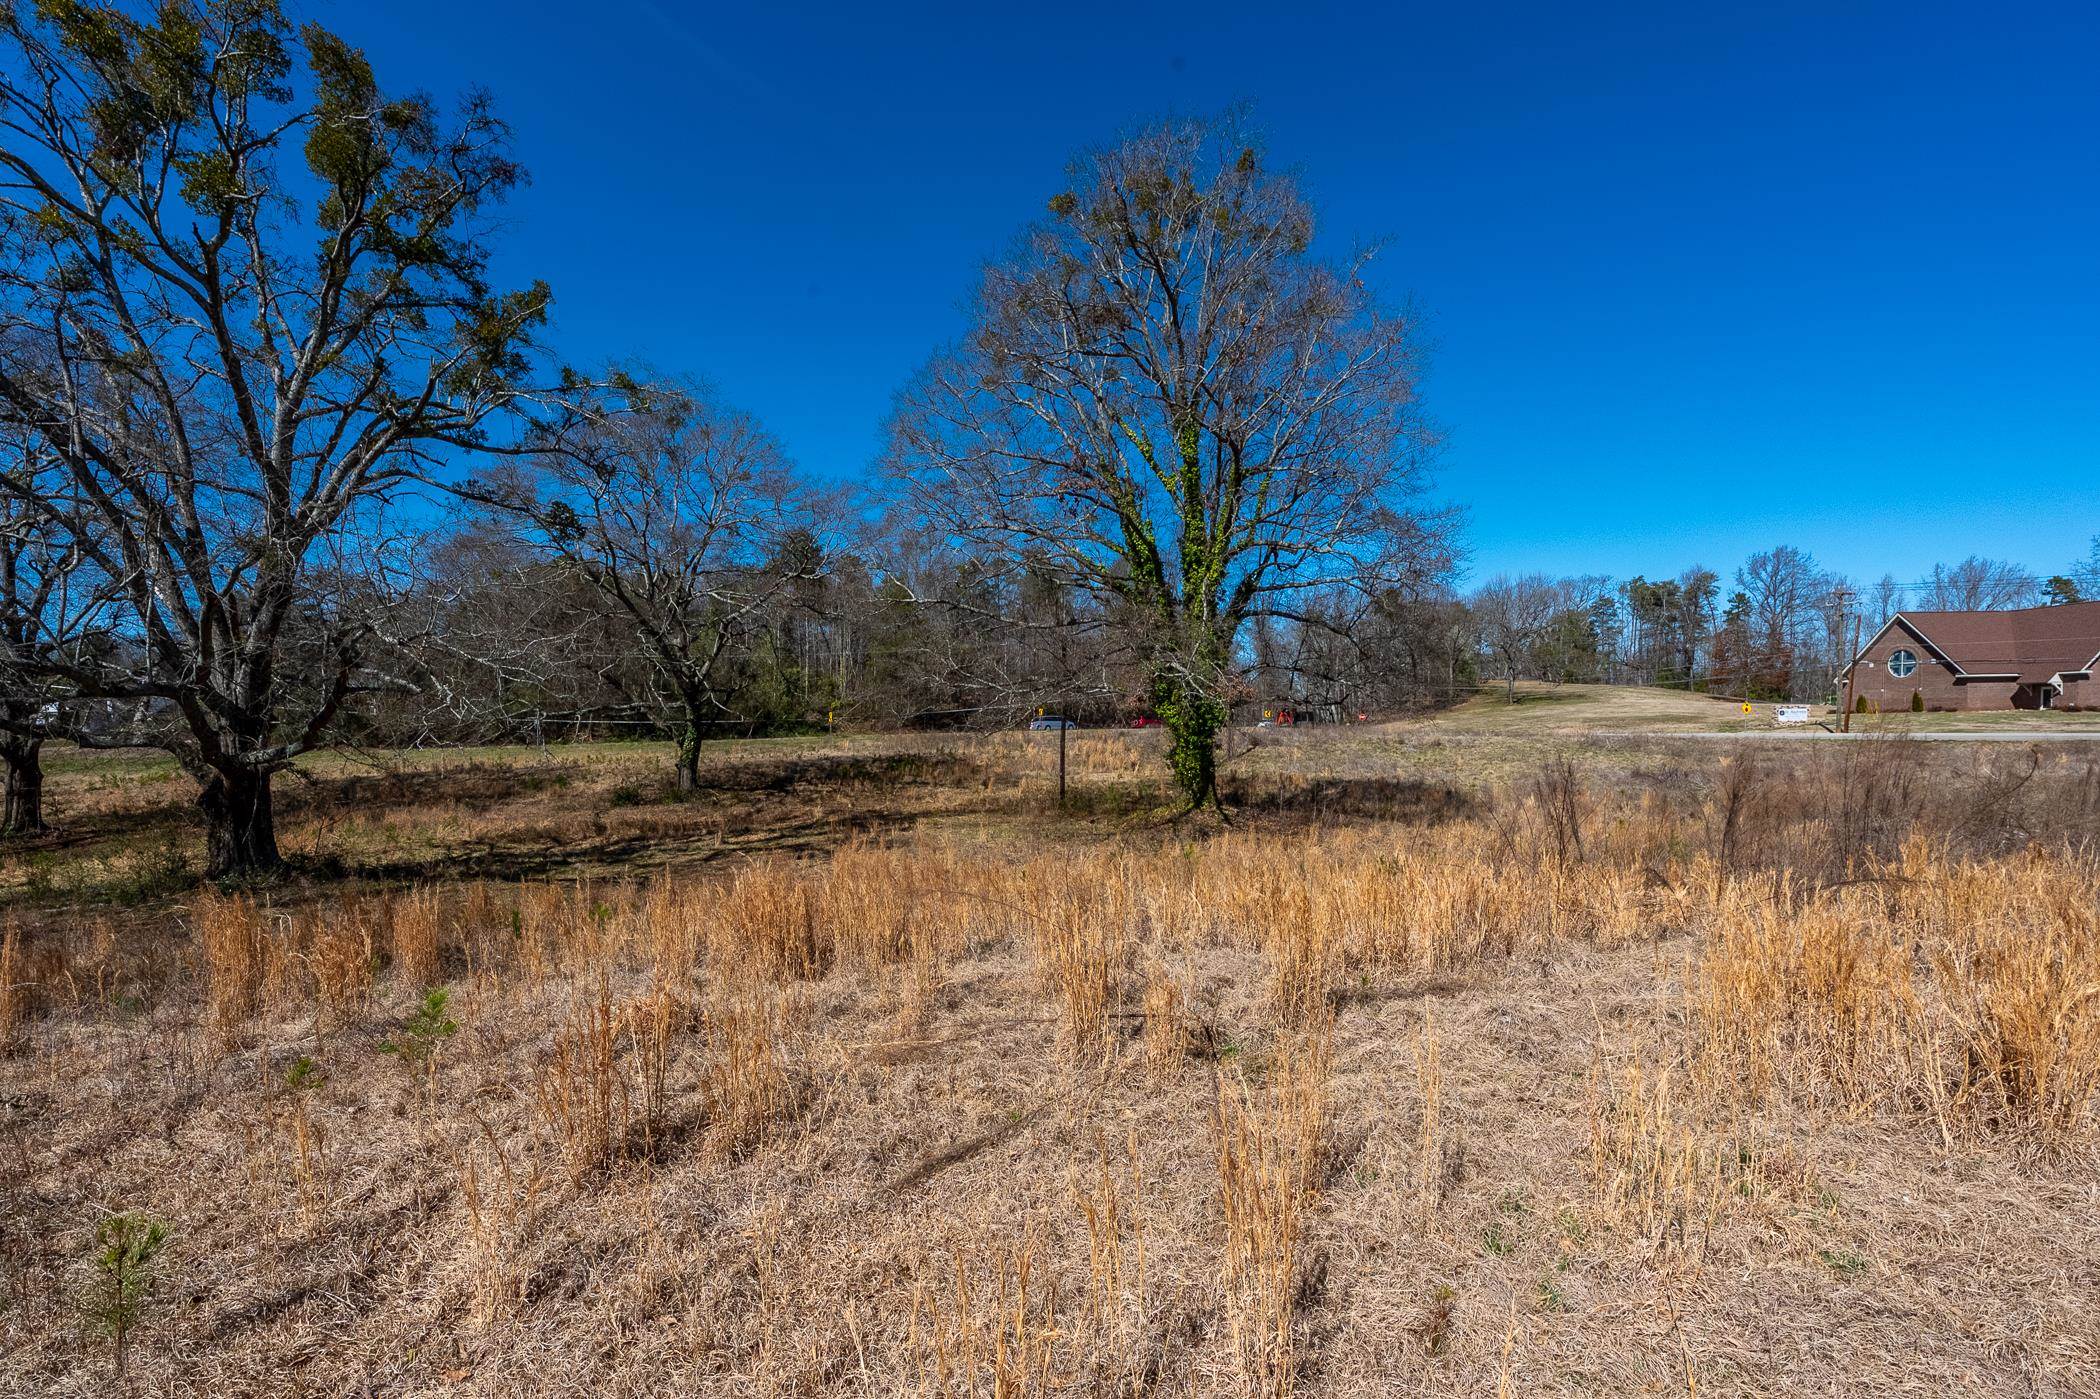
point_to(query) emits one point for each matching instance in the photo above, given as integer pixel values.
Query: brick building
(2025, 658)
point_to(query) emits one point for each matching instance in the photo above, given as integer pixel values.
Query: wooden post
(1062, 721)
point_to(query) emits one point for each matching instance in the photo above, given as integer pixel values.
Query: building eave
(1923, 640)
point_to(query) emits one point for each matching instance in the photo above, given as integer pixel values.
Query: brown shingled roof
(2034, 643)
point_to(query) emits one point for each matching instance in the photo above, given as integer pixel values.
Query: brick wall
(1989, 694)
(1933, 678)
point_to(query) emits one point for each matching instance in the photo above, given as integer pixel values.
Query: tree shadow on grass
(1403, 799)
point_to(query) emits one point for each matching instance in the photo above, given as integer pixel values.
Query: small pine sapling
(127, 1254)
(426, 1028)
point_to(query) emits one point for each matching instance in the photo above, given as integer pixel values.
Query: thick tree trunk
(24, 813)
(241, 831)
(1193, 719)
(689, 751)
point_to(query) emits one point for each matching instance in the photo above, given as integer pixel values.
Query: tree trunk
(241, 831)
(1193, 719)
(24, 815)
(689, 751)
(1512, 684)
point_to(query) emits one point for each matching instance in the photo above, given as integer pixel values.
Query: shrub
(1917, 701)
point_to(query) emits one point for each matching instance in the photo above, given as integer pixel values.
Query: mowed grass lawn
(1574, 709)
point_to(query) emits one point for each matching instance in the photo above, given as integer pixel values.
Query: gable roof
(2033, 643)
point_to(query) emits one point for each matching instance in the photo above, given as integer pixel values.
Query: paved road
(2058, 736)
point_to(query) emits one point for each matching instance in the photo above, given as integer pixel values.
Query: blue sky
(1698, 279)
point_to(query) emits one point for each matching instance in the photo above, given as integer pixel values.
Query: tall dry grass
(1082, 939)
(992, 1329)
(1964, 990)
(14, 988)
(229, 935)
(1272, 1142)
(680, 1017)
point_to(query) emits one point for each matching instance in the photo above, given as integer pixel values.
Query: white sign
(1793, 713)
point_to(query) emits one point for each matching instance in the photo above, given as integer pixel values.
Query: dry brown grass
(14, 987)
(1272, 1144)
(1967, 990)
(1597, 1087)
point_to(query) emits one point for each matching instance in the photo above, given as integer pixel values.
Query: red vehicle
(1146, 721)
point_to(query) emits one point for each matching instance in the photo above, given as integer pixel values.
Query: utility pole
(1844, 600)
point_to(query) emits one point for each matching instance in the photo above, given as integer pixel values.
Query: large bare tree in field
(243, 303)
(686, 518)
(1165, 394)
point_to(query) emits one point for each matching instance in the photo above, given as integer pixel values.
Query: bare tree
(1697, 588)
(1518, 617)
(236, 364)
(1786, 597)
(47, 601)
(1885, 600)
(1979, 585)
(685, 517)
(1163, 394)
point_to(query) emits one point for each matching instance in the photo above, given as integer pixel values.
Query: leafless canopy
(1165, 394)
(1978, 585)
(682, 514)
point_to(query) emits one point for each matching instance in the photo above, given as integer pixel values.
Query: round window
(1902, 663)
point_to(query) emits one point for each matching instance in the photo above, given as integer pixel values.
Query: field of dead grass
(1624, 1070)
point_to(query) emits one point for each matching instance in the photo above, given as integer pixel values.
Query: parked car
(1147, 721)
(1053, 723)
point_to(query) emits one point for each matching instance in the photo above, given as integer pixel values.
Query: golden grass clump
(1650, 1168)
(1081, 920)
(1965, 990)
(1813, 983)
(992, 1329)
(768, 920)
(603, 1089)
(582, 1093)
(1272, 1143)
(414, 921)
(747, 1088)
(230, 939)
(2017, 962)
(1167, 1036)
(339, 958)
(869, 902)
